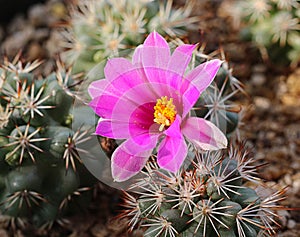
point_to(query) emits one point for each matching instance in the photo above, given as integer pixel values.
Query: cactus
(41, 171)
(209, 198)
(273, 25)
(215, 102)
(100, 29)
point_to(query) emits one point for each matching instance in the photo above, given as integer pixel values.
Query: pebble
(296, 183)
(262, 102)
(273, 172)
(289, 89)
(258, 79)
(261, 68)
(284, 217)
(292, 132)
(296, 164)
(291, 224)
(288, 179)
(270, 135)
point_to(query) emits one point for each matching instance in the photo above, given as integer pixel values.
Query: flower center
(164, 112)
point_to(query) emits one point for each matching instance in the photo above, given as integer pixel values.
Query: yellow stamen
(164, 112)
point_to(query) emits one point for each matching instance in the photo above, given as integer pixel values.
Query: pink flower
(148, 102)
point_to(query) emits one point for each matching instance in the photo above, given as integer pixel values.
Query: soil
(270, 124)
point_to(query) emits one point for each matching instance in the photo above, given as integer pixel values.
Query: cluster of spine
(273, 25)
(215, 195)
(99, 29)
(216, 102)
(41, 172)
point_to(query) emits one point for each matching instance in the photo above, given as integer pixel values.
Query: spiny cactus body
(215, 195)
(273, 25)
(40, 167)
(99, 29)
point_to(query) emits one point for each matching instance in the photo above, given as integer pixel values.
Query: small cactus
(41, 171)
(273, 25)
(101, 29)
(210, 198)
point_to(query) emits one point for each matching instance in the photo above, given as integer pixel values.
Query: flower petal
(171, 153)
(96, 88)
(189, 99)
(141, 120)
(121, 125)
(136, 57)
(112, 129)
(140, 95)
(204, 74)
(178, 63)
(154, 57)
(155, 62)
(103, 105)
(197, 81)
(173, 149)
(156, 40)
(130, 158)
(204, 134)
(122, 74)
(115, 105)
(116, 67)
(174, 129)
(130, 114)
